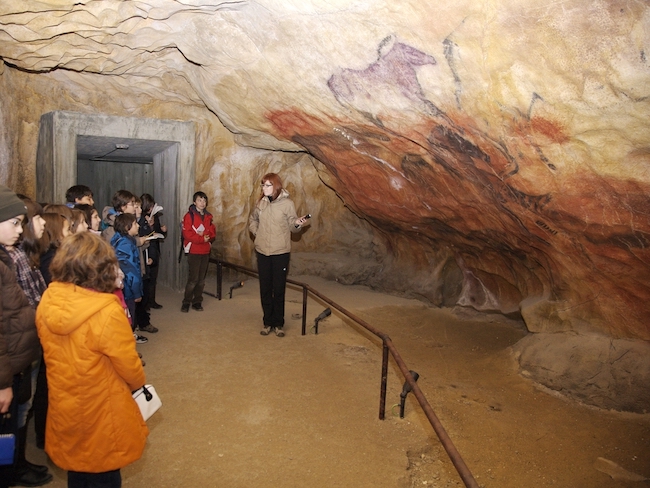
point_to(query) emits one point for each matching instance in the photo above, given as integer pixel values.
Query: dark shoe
(148, 328)
(279, 332)
(24, 471)
(156, 306)
(185, 307)
(197, 307)
(24, 476)
(266, 330)
(37, 468)
(140, 339)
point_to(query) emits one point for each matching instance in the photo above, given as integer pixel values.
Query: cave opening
(109, 153)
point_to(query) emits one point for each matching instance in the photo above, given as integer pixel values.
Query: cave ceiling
(512, 133)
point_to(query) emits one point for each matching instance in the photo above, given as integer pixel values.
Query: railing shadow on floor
(388, 347)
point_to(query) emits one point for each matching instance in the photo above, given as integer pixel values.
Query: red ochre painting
(522, 231)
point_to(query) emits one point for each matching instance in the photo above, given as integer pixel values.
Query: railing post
(304, 310)
(384, 380)
(219, 279)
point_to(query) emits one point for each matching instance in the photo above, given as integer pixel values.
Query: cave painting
(393, 74)
(516, 224)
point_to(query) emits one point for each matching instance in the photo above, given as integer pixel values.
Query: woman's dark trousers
(273, 281)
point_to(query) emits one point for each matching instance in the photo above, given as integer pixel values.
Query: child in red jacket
(198, 234)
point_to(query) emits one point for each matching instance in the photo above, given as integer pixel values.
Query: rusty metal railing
(388, 347)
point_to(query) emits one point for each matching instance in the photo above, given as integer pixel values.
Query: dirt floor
(244, 410)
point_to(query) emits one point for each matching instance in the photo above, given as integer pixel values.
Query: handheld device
(308, 216)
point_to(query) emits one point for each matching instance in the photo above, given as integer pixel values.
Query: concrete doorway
(109, 153)
(108, 163)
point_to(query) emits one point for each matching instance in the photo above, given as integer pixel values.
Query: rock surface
(493, 155)
(595, 370)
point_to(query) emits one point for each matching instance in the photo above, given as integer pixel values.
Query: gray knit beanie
(10, 205)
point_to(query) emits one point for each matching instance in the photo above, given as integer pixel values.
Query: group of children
(133, 228)
(30, 235)
(42, 259)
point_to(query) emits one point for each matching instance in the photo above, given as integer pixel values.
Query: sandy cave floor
(244, 410)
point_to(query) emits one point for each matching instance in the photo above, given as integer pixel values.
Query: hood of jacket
(108, 215)
(194, 210)
(71, 306)
(117, 237)
(264, 201)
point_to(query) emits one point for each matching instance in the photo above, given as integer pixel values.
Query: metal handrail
(388, 346)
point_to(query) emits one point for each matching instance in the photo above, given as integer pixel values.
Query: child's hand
(163, 228)
(6, 395)
(119, 281)
(149, 261)
(138, 300)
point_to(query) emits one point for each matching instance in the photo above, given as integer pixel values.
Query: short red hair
(275, 180)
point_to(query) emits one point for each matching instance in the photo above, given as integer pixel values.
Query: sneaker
(140, 339)
(185, 307)
(156, 305)
(279, 332)
(148, 328)
(198, 307)
(266, 330)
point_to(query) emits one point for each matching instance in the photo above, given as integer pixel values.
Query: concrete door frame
(56, 168)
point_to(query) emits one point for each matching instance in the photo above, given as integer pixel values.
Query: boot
(26, 473)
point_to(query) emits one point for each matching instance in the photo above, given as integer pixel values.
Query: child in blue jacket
(126, 250)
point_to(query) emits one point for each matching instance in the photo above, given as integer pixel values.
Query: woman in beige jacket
(272, 221)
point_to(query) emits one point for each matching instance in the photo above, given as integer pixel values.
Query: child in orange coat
(94, 427)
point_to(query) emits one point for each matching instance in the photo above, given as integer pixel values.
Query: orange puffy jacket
(93, 423)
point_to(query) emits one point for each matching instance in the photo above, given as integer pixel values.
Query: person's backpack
(181, 251)
(185, 248)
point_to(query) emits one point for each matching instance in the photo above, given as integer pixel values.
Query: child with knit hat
(19, 347)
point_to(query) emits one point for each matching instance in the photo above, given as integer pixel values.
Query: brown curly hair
(86, 260)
